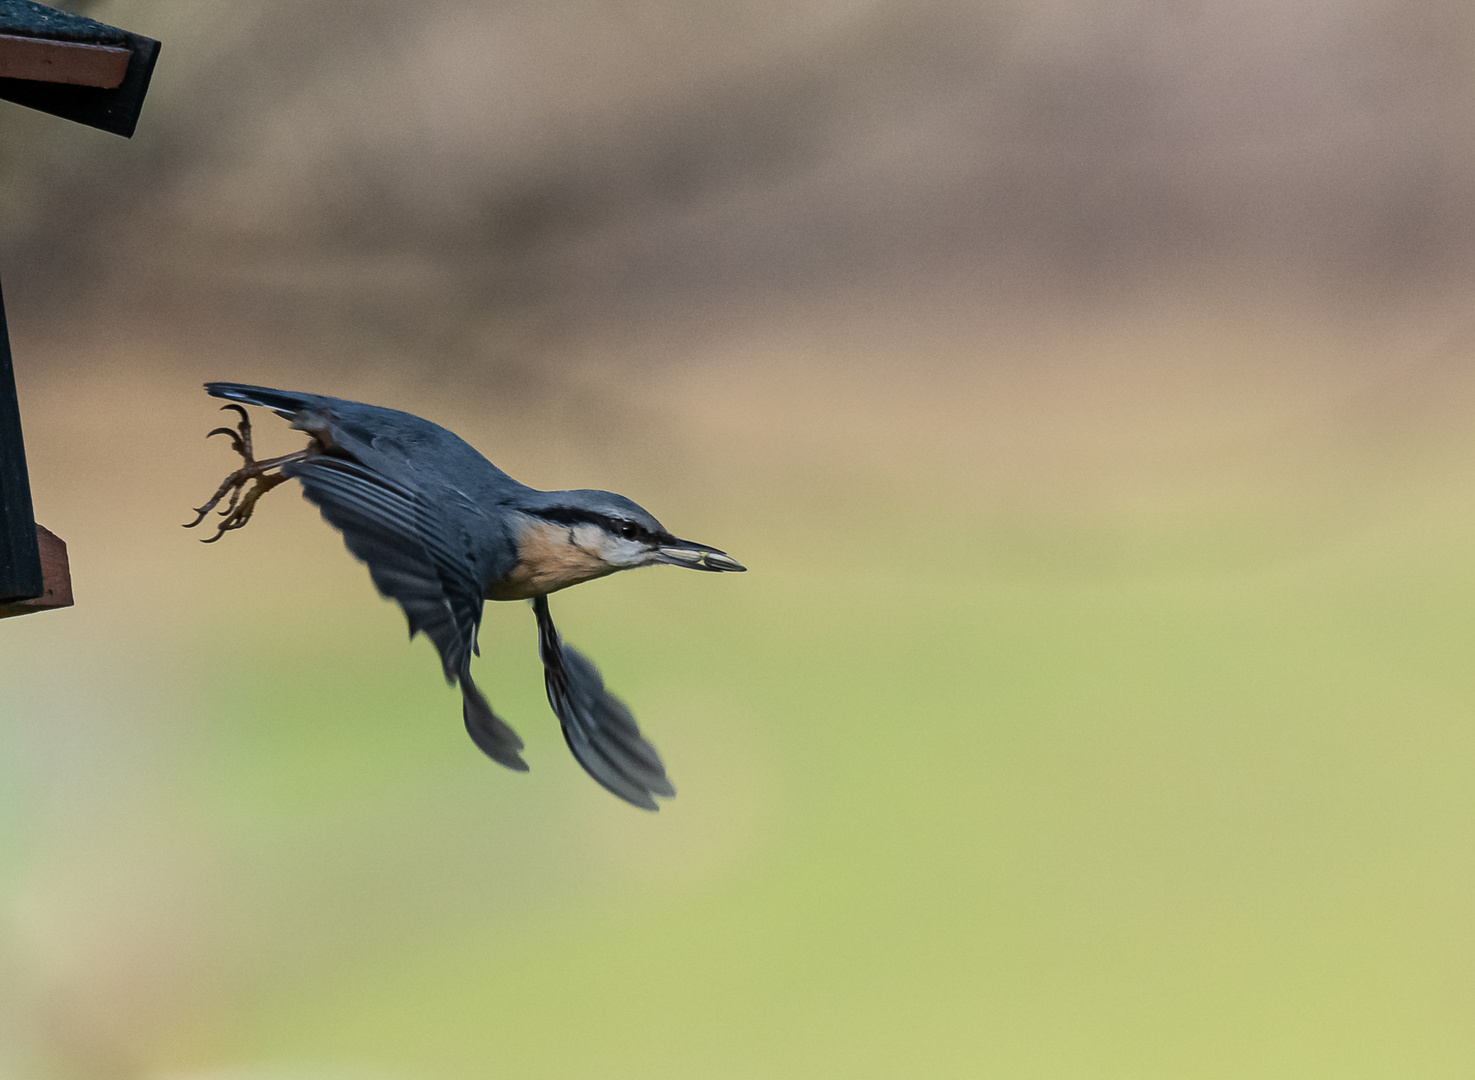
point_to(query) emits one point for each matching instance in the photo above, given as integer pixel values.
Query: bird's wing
(411, 548)
(597, 725)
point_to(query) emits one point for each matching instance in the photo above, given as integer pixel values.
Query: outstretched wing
(597, 725)
(411, 550)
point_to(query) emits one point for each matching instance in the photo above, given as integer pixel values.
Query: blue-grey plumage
(441, 530)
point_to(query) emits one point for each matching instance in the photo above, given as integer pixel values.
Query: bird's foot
(259, 474)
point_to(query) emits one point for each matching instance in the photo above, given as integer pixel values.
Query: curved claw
(240, 435)
(229, 524)
(234, 437)
(261, 475)
(201, 511)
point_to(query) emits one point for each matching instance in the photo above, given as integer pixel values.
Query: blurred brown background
(1086, 384)
(473, 183)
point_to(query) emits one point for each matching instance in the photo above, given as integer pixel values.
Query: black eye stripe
(565, 515)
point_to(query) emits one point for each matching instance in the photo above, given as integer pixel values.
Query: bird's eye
(629, 530)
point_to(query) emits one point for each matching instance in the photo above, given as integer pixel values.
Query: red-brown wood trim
(47, 60)
(56, 575)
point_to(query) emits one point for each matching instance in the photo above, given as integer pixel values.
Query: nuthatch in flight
(442, 529)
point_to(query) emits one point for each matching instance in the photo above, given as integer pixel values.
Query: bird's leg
(242, 500)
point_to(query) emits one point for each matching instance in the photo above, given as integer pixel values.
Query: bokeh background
(1087, 385)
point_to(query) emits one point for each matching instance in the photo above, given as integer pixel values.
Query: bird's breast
(549, 557)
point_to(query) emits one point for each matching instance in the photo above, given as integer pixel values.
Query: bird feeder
(97, 75)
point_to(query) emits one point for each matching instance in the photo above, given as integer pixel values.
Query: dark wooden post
(97, 75)
(20, 554)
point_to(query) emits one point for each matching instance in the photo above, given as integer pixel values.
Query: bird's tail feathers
(282, 401)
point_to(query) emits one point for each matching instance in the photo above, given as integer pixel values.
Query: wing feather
(410, 549)
(598, 727)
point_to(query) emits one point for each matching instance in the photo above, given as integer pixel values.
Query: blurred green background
(1086, 385)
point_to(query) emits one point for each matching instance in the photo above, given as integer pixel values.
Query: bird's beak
(696, 556)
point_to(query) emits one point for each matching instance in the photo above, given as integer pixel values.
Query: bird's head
(625, 535)
(573, 536)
